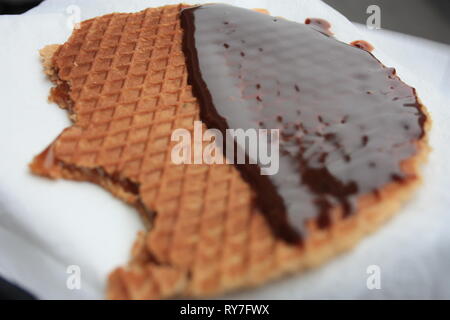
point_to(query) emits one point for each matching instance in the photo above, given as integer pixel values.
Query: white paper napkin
(46, 226)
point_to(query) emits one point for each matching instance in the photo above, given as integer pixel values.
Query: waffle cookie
(124, 81)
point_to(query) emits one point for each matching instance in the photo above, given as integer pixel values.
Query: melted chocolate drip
(320, 25)
(346, 122)
(362, 44)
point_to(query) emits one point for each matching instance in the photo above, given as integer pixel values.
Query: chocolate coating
(346, 121)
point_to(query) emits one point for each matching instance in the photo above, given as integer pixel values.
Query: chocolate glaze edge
(270, 202)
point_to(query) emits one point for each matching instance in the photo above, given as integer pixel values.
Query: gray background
(423, 18)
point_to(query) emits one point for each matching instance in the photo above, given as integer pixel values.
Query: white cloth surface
(45, 226)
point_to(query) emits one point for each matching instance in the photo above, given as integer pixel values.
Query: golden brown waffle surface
(123, 78)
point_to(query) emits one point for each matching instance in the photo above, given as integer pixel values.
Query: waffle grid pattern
(129, 83)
